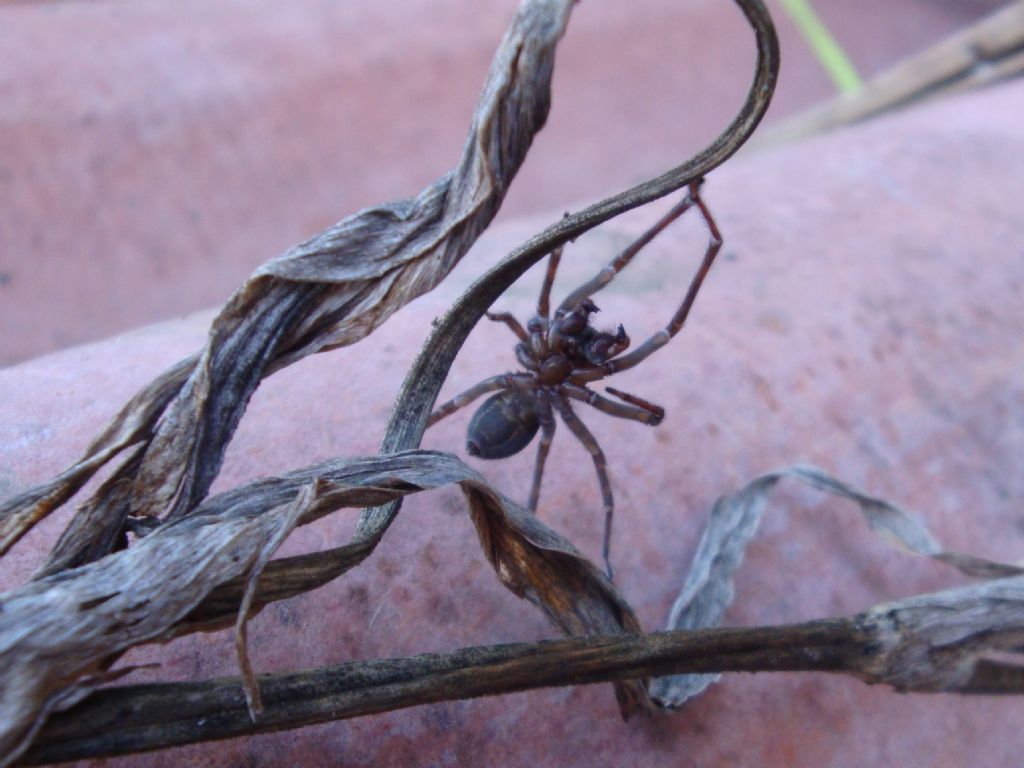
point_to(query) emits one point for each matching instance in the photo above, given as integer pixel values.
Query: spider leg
(606, 275)
(510, 320)
(634, 408)
(502, 381)
(547, 434)
(656, 410)
(584, 435)
(544, 301)
(661, 338)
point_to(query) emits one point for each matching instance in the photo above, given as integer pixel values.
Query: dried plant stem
(430, 369)
(146, 717)
(139, 718)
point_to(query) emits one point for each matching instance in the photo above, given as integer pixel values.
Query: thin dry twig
(881, 645)
(930, 643)
(300, 507)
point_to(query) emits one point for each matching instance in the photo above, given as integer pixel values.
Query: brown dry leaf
(538, 564)
(708, 588)
(57, 630)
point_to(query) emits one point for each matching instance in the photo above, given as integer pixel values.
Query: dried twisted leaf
(57, 630)
(708, 589)
(339, 286)
(86, 537)
(133, 425)
(951, 642)
(316, 300)
(282, 312)
(332, 290)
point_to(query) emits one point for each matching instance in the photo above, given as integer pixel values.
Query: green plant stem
(825, 47)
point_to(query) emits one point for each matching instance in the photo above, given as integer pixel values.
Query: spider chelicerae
(562, 354)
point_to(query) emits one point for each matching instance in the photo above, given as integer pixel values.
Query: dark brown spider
(561, 355)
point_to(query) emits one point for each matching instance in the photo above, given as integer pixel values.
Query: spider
(562, 354)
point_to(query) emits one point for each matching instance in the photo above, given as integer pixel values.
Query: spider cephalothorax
(552, 351)
(561, 354)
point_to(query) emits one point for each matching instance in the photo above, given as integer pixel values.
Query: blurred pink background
(153, 154)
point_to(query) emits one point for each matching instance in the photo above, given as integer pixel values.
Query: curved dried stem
(423, 382)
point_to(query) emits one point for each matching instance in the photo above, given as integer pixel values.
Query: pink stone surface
(867, 315)
(153, 154)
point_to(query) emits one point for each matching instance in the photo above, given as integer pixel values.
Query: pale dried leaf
(287, 523)
(936, 642)
(133, 424)
(332, 290)
(708, 589)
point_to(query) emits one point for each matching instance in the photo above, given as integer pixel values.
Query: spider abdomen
(503, 425)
